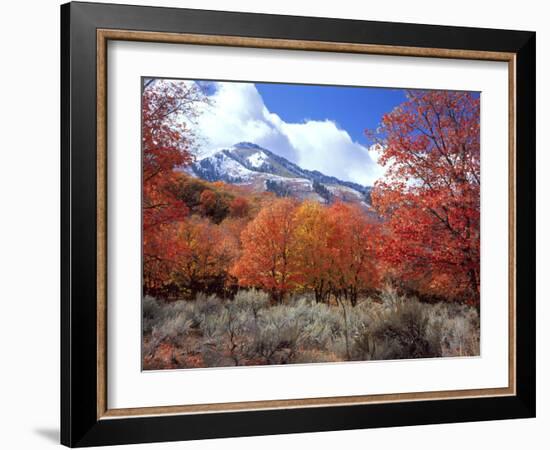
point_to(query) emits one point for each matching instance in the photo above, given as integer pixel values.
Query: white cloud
(239, 114)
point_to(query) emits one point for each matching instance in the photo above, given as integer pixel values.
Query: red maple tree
(168, 109)
(430, 195)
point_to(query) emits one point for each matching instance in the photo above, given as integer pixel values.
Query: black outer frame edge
(177, 20)
(65, 227)
(525, 222)
(79, 426)
(78, 266)
(302, 420)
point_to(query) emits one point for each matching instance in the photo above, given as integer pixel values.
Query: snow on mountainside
(257, 159)
(249, 164)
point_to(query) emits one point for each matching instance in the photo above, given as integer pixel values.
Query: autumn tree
(430, 195)
(269, 250)
(215, 204)
(168, 108)
(159, 253)
(352, 244)
(314, 258)
(204, 253)
(208, 201)
(239, 207)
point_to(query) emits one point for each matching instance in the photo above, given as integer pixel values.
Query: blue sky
(317, 127)
(353, 108)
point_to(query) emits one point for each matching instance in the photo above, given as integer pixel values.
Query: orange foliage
(205, 252)
(353, 245)
(269, 250)
(313, 233)
(309, 247)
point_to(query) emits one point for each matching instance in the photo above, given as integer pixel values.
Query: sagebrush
(249, 330)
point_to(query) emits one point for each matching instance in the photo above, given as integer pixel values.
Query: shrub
(322, 326)
(364, 345)
(398, 328)
(173, 327)
(251, 300)
(278, 335)
(205, 306)
(458, 327)
(151, 312)
(232, 327)
(247, 330)
(406, 333)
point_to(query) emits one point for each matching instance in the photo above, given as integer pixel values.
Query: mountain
(249, 164)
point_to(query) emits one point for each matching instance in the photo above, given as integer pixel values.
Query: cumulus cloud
(238, 114)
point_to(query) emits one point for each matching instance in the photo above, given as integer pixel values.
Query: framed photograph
(277, 224)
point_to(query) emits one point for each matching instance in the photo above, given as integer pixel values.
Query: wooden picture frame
(86, 418)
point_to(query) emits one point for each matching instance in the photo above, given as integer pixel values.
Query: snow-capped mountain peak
(249, 164)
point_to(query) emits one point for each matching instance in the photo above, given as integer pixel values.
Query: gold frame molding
(103, 36)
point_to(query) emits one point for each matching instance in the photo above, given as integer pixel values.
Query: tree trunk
(346, 328)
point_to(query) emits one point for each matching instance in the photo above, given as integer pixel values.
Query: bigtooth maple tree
(168, 108)
(314, 258)
(205, 251)
(269, 258)
(430, 195)
(352, 245)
